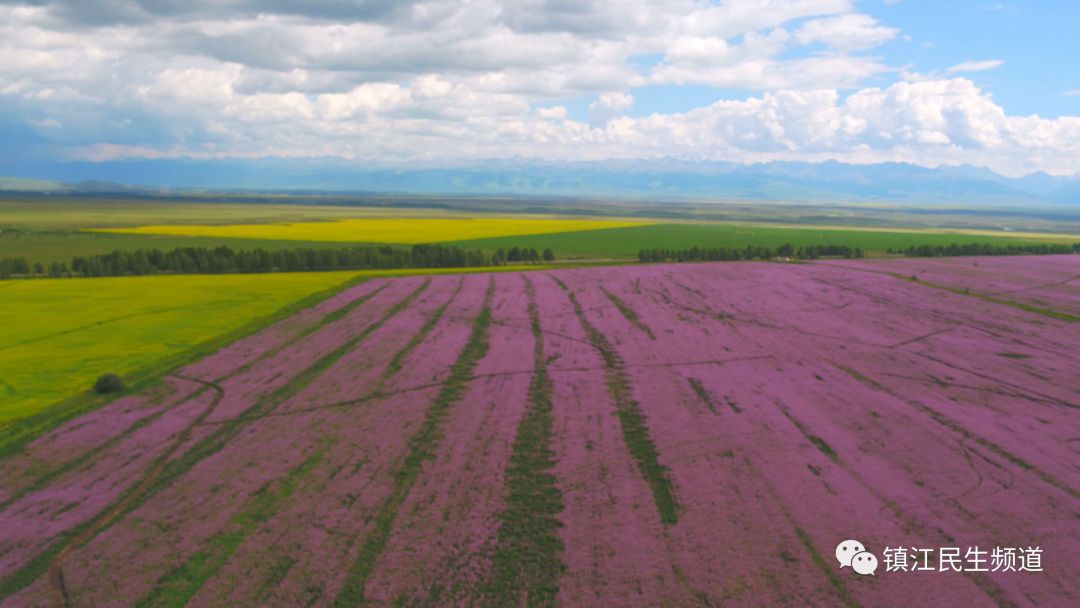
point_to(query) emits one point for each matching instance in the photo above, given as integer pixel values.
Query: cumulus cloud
(608, 106)
(846, 32)
(379, 80)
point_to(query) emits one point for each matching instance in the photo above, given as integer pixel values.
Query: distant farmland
(588, 239)
(406, 230)
(696, 434)
(49, 231)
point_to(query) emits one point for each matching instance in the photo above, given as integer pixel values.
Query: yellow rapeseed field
(378, 230)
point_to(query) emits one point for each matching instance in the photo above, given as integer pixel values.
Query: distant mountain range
(656, 179)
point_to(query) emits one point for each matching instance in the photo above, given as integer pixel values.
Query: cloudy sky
(932, 82)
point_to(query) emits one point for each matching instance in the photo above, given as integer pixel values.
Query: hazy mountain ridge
(654, 179)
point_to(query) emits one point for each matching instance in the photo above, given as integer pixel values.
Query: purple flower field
(661, 435)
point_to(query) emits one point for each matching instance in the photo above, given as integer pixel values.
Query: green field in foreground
(626, 242)
(60, 334)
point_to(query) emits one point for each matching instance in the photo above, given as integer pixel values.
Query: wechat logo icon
(853, 554)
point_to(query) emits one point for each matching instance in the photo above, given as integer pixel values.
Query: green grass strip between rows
(527, 565)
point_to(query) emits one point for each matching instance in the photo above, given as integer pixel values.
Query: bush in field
(108, 383)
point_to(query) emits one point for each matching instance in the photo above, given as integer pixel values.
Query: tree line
(731, 254)
(813, 252)
(978, 249)
(220, 260)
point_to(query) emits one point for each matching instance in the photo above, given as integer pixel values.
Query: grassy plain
(626, 242)
(46, 230)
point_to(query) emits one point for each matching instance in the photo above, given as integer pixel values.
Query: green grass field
(60, 334)
(626, 242)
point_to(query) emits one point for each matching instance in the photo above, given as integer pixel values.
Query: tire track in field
(1016, 387)
(178, 583)
(1043, 397)
(835, 582)
(42, 481)
(422, 387)
(326, 319)
(167, 471)
(395, 364)
(963, 431)
(1023, 289)
(74, 330)
(331, 316)
(106, 518)
(986, 297)
(989, 588)
(632, 419)
(177, 586)
(423, 445)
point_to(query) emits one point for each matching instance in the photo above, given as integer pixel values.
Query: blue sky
(973, 82)
(1036, 40)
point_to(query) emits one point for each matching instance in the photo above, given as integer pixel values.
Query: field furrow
(615, 550)
(423, 445)
(440, 549)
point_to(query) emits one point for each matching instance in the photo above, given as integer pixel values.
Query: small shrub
(108, 383)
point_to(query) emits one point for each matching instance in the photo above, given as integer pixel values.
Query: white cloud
(608, 106)
(553, 113)
(381, 80)
(847, 32)
(977, 66)
(929, 122)
(1075, 93)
